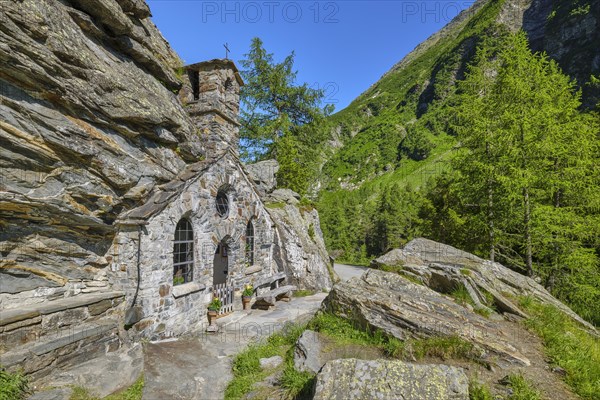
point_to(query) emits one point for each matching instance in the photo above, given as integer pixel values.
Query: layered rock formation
(89, 123)
(413, 302)
(445, 268)
(299, 245)
(90, 126)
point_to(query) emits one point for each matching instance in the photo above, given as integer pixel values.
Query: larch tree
(274, 107)
(528, 147)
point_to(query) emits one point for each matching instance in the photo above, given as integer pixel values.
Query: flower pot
(212, 316)
(246, 301)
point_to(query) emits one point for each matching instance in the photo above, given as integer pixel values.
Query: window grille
(250, 243)
(222, 203)
(183, 253)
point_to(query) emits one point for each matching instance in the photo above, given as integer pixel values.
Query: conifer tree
(273, 103)
(528, 148)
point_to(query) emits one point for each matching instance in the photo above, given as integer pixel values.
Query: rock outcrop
(308, 352)
(89, 123)
(264, 175)
(413, 303)
(383, 379)
(569, 33)
(299, 245)
(445, 268)
(404, 309)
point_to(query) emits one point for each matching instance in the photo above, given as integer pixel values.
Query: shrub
(479, 391)
(522, 390)
(13, 386)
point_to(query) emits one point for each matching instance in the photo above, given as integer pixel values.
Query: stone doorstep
(15, 315)
(62, 339)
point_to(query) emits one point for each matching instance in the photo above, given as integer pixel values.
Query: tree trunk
(526, 211)
(527, 223)
(490, 215)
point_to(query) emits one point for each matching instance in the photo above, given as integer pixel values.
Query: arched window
(183, 253)
(250, 243)
(222, 203)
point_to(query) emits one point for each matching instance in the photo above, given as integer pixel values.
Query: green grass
(399, 269)
(275, 205)
(451, 347)
(461, 296)
(344, 331)
(134, 392)
(479, 391)
(484, 312)
(297, 384)
(568, 345)
(522, 389)
(303, 293)
(13, 386)
(246, 365)
(391, 268)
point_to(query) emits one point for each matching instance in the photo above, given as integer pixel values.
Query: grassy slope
(372, 126)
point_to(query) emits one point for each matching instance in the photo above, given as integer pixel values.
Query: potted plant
(213, 308)
(247, 294)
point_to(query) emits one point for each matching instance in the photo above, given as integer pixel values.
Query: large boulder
(445, 268)
(383, 379)
(308, 352)
(404, 309)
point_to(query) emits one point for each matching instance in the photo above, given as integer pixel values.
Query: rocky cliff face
(567, 30)
(89, 123)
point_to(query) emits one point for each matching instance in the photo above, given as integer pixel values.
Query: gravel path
(346, 272)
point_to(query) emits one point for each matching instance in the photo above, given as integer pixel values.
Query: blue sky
(341, 46)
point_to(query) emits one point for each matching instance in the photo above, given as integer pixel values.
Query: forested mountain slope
(391, 167)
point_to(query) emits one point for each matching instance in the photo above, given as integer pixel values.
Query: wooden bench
(268, 299)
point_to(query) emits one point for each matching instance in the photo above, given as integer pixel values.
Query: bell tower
(211, 95)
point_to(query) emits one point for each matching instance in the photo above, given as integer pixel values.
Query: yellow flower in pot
(247, 294)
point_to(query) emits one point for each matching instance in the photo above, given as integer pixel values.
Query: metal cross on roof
(226, 45)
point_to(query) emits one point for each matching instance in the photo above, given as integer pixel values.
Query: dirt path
(539, 373)
(346, 272)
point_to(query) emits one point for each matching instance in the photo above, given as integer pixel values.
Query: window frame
(250, 243)
(187, 243)
(224, 195)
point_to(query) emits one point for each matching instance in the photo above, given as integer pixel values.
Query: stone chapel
(207, 227)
